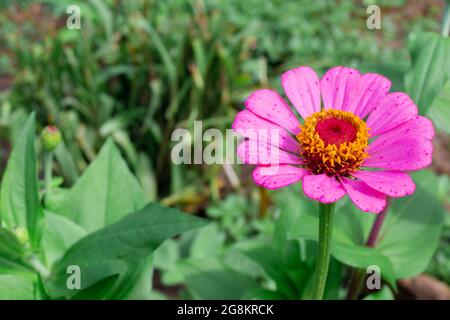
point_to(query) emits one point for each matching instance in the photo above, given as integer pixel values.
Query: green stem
(48, 164)
(326, 219)
(445, 27)
(39, 267)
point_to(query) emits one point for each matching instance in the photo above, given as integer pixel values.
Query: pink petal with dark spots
(366, 95)
(275, 177)
(250, 126)
(393, 110)
(336, 87)
(411, 153)
(364, 197)
(269, 105)
(258, 152)
(322, 188)
(393, 183)
(301, 86)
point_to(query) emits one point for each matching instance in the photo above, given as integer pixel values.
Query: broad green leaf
(16, 288)
(209, 279)
(10, 245)
(208, 242)
(60, 233)
(136, 283)
(236, 259)
(263, 294)
(384, 294)
(19, 198)
(166, 260)
(290, 280)
(155, 295)
(113, 249)
(11, 254)
(440, 109)
(98, 290)
(413, 226)
(104, 194)
(430, 54)
(167, 255)
(363, 257)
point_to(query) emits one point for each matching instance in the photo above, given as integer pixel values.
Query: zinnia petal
(269, 105)
(275, 177)
(366, 95)
(322, 188)
(417, 127)
(301, 86)
(250, 126)
(258, 152)
(393, 183)
(406, 147)
(336, 86)
(407, 154)
(363, 196)
(393, 110)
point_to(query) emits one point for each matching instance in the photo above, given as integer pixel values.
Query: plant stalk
(39, 267)
(376, 228)
(326, 219)
(48, 164)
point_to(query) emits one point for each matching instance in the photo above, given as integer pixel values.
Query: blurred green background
(137, 70)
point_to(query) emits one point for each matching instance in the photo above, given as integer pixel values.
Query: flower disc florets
(333, 142)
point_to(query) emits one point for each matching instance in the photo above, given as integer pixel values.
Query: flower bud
(21, 234)
(50, 137)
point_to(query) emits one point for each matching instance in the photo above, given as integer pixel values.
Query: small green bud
(50, 138)
(21, 234)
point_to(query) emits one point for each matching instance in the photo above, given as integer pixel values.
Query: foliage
(127, 64)
(112, 247)
(135, 71)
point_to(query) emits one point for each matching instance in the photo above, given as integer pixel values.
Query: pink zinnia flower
(356, 138)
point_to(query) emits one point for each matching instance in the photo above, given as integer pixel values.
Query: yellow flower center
(333, 142)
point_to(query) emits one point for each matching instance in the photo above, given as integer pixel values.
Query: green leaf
(430, 54)
(384, 294)
(112, 249)
(208, 242)
(135, 283)
(363, 257)
(108, 188)
(210, 280)
(413, 226)
(10, 245)
(263, 294)
(16, 288)
(290, 280)
(440, 109)
(19, 197)
(11, 254)
(104, 194)
(60, 233)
